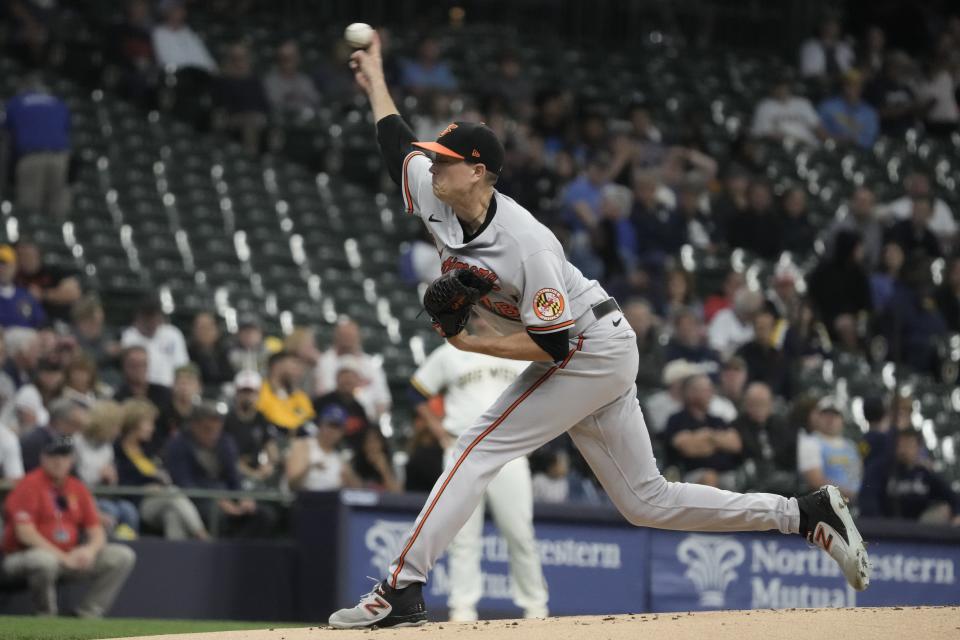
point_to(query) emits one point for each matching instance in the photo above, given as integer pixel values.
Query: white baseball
(358, 35)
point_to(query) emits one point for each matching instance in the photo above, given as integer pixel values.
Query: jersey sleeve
(22, 505)
(545, 306)
(430, 379)
(415, 177)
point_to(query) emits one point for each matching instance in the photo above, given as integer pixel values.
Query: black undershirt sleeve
(394, 137)
(557, 344)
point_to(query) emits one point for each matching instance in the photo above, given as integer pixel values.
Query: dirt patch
(842, 624)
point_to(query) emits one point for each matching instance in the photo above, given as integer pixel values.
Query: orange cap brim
(436, 147)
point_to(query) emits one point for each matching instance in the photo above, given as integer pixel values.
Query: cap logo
(475, 153)
(450, 127)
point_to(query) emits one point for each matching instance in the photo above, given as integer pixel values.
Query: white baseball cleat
(384, 607)
(826, 522)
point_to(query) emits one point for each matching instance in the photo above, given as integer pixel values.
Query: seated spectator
(25, 412)
(644, 323)
(840, 285)
(660, 230)
(289, 90)
(56, 288)
(732, 328)
(916, 184)
(95, 466)
(892, 95)
(580, 202)
(344, 396)
(508, 89)
(427, 72)
(424, 457)
(689, 341)
(859, 215)
(302, 343)
(18, 307)
(257, 440)
(184, 396)
(373, 392)
(938, 89)
(679, 294)
(240, 100)
(658, 408)
(39, 126)
(647, 139)
(314, 463)
(163, 341)
(764, 357)
(732, 282)
(250, 351)
(67, 418)
(132, 47)
(827, 457)
(705, 448)
(756, 229)
(948, 296)
(47, 514)
(731, 204)
(701, 228)
(80, 382)
(911, 321)
(48, 379)
(552, 485)
(11, 460)
(23, 350)
(846, 117)
(89, 332)
(784, 300)
(202, 456)
(729, 393)
(826, 55)
(796, 232)
(614, 240)
(918, 243)
(783, 115)
(176, 45)
(207, 350)
(768, 442)
(884, 280)
(878, 448)
(282, 402)
(914, 490)
(872, 50)
(135, 385)
(164, 507)
(372, 464)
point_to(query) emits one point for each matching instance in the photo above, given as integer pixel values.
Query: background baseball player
(581, 380)
(471, 382)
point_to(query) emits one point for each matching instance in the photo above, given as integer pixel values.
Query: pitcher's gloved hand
(450, 297)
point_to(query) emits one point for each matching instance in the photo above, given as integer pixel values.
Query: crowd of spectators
(146, 408)
(720, 369)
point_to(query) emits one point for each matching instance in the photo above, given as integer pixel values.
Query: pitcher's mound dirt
(839, 624)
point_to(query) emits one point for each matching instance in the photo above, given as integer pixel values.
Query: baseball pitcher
(500, 262)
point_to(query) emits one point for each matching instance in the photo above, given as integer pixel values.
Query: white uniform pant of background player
(510, 498)
(592, 395)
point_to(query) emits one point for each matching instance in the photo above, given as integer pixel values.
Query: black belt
(603, 308)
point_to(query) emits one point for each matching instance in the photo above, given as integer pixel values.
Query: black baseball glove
(449, 298)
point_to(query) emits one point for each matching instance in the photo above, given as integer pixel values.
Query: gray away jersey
(534, 287)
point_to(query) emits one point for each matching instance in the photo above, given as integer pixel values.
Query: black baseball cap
(59, 446)
(468, 141)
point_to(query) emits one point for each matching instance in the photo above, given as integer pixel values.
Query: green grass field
(29, 628)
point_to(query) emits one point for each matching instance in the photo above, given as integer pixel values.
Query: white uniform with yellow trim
(590, 394)
(471, 382)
